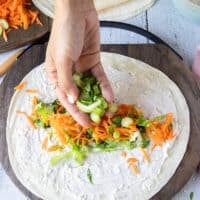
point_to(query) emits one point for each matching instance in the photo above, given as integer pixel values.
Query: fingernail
(70, 99)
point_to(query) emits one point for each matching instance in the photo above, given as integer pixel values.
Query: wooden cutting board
(21, 37)
(158, 56)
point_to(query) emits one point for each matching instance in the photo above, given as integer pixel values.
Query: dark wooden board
(21, 37)
(158, 56)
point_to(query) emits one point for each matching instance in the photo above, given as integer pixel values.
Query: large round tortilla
(133, 82)
(107, 9)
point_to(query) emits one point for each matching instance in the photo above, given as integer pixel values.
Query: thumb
(65, 79)
(196, 65)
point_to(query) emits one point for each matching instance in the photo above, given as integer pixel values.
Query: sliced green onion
(4, 24)
(56, 159)
(89, 176)
(117, 120)
(88, 108)
(142, 122)
(126, 122)
(112, 107)
(116, 134)
(77, 79)
(95, 117)
(1, 30)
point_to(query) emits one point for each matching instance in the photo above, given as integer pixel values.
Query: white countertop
(164, 21)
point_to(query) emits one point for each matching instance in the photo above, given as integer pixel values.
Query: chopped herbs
(117, 120)
(142, 122)
(89, 176)
(191, 195)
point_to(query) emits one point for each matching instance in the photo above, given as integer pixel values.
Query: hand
(74, 45)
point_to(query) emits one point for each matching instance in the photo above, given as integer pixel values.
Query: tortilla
(133, 82)
(105, 4)
(107, 10)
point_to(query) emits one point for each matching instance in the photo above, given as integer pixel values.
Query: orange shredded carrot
(54, 148)
(134, 168)
(18, 13)
(31, 91)
(123, 154)
(160, 132)
(45, 143)
(146, 156)
(21, 85)
(132, 160)
(34, 103)
(29, 119)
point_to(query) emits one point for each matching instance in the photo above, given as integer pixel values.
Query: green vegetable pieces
(90, 98)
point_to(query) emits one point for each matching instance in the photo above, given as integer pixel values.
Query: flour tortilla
(133, 82)
(107, 9)
(105, 4)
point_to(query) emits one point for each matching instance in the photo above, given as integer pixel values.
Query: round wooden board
(158, 56)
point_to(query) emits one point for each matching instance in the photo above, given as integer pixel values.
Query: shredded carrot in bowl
(18, 14)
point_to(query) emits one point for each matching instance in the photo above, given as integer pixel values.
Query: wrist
(73, 5)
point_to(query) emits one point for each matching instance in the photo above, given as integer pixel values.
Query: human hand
(74, 45)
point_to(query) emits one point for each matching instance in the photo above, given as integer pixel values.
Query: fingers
(106, 89)
(65, 79)
(80, 117)
(86, 62)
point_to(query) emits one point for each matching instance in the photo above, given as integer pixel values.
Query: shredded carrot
(134, 168)
(31, 91)
(54, 148)
(146, 156)
(34, 103)
(29, 119)
(160, 132)
(132, 160)
(21, 85)
(18, 14)
(123, 154)
(45, 143)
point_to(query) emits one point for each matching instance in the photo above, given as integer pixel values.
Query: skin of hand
(74, 45)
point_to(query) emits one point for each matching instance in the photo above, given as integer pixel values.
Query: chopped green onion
(4, 24)
(117, 120)
(116, 134)
(89, 176)
(112, 107)
(142, 122)
(78, 153)
(95, 117)
(56, 159)
(89, 108)
(191, 195)
(77, 79)
(1, 30)
(126, 122)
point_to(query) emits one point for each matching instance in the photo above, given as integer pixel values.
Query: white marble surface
(163, 20)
